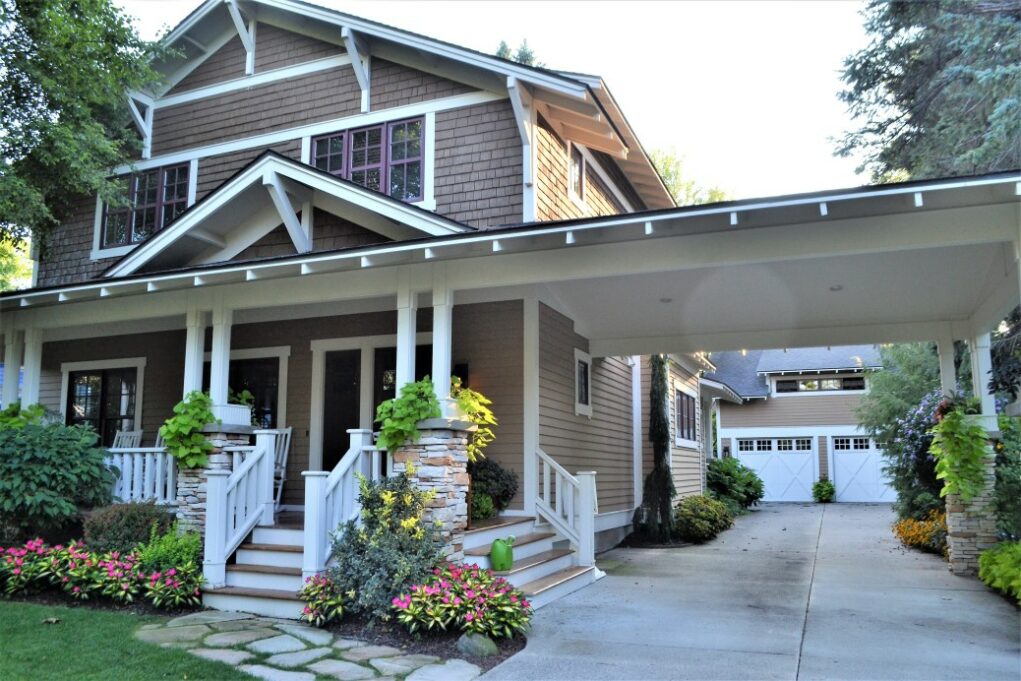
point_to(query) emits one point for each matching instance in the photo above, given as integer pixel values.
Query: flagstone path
(283, 650)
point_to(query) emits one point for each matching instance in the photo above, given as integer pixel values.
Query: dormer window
(157, 197)
(820, 385)
(384, 158)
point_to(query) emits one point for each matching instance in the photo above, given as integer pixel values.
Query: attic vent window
(156, 196)
(576, 173)
(384, 158)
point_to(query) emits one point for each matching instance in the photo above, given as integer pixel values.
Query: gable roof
(746, 372)
(260, 197)
(582, 99)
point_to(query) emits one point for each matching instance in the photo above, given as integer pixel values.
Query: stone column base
(971, 526)
(191, 482)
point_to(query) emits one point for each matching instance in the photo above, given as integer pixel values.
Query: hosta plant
(464, 598)
(324, 601)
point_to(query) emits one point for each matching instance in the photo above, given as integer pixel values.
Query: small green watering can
(501, 554)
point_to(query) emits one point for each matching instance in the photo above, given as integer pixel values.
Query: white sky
(746, 91)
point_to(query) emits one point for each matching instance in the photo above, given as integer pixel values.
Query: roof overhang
(829, 370)
(719, 390)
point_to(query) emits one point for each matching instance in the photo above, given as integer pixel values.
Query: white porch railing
(143, 474)
(568, 503)
(237, 501)
(331, 498)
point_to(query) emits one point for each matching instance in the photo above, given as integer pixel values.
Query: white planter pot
(233, 414)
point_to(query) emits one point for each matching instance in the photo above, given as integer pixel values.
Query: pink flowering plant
(324, 601)
(175, 587)
(23, 566)
(466, 598)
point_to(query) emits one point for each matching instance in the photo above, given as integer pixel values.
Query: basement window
(582, 383)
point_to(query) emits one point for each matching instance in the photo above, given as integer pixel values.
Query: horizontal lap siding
(215, 170)
(276, 48)
(162, 381)
(685, 464)
(798, 410)
(478, 165)
(489, 338)
(393, 85)
(552, 199)
(602, 443)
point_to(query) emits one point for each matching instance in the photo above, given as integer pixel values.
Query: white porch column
(981, 366)
(33, 363)
(219, 361)
(947, 372)
(12, 366)
(407, 309)
(530, 417)
(443, 316)
(194, 349)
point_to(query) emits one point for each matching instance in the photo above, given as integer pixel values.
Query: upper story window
(384, 158)
(810, 385)
(684, 417)
(156, 196)
(576, 173)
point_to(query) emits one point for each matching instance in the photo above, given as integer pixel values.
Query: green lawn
(91, 644)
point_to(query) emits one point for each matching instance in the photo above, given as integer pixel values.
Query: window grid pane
(804, 444)
(366, 157)
(405, 160)
(861, 443)
(583, 382)
(328, 154)
(745, 445)
(841, 443)
(785, 445)
(764, 445)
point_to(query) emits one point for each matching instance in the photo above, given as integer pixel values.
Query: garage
(857, 466)
(787, 465)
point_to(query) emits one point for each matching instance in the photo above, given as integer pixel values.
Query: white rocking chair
(283, 448)
(127, 439)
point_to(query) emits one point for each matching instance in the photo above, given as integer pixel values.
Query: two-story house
(796, 421)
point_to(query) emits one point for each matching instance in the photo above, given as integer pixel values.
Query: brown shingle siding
(396, 85)
(276, 48)
(329, 232)
(215, 170)
(67, 248)
(227, 63)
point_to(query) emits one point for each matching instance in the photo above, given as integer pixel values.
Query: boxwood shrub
(122, 527)
(700, 518)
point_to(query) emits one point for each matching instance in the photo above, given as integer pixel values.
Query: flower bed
(928, 535)
(83, 574)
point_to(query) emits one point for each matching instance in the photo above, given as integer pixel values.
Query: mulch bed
(636, 540)
(441, 644)
(139, 607)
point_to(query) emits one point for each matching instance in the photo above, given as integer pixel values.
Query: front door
(340, 403)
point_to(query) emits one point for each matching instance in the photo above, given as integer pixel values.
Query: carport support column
(12, 366)
(971, 524)
(947, 370)
(407, 309)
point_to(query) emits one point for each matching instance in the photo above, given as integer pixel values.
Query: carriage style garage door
(786, 465)
(857, 466)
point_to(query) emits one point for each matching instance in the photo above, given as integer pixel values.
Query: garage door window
(804, 444)
(861, 443)
(763, 445)
(746, 445)
(841, 443)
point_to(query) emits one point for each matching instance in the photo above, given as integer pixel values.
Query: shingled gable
(269, 191)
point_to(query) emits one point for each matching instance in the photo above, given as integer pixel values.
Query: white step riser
(277, 535)
(267, 607)
(262, 580)
(519, 552)
(561, 590)
(274, 558)
(486, 537)
(541, 570)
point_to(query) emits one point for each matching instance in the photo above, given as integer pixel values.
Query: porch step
(524, 546)
(483, 534)
(265, 602)
(264, 577)
(530, 568)
(545, 590)
(277, 535)
(280, 555)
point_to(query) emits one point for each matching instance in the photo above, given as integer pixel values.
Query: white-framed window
(841, 443)
(818, 385)
(106, 394)
(763, 445)
(785, 445)
(575, 173)
(685, 418)
(861, 443)
(782, 444)
(746, 445)
(582, 383)
(263, 373)
(803, 444)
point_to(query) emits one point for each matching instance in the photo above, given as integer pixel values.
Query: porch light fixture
(837, 287)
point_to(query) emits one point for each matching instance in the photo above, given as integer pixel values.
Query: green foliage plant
(490, 478)
(1007, 489)
(700, 518)
(168, 547)
(244, 397)
(655, 518)
(482, 506)
(399, 417)
(475, 406)
(122, 527)
(960, 445)
(183, 432)
(1000, 568)
(823, 491)
(324, 602)
(16, 417)
(733, 483)
(48, 474)
(388, 552)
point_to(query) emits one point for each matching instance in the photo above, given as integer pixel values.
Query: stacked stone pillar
(439, 463)
(971, 525)
(191, 482)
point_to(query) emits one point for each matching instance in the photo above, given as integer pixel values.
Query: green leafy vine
(398, 418)
(182, 433)
(475, 407)
(959, 444)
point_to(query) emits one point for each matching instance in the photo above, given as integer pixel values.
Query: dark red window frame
(685, 415)
(157, 197)
(356, 164)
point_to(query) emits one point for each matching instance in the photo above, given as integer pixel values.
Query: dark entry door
(384, 372)
(340, 403)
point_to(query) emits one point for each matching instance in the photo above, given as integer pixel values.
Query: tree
(66, 67)
(1006, 356)
(658, 491)
(670, 166)
(15, 265)
(523, 55)
(937, 90)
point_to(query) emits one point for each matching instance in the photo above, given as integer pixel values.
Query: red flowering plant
(466, 598)
(22, 566)
(324, 601)
(175, 587)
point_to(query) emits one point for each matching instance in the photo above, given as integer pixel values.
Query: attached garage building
(796, 421)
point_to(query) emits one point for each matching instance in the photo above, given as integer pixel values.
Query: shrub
(928, 535)
(183, 433)
(909, 465)
(16, 417)
(170, 548)
(489, 477)
(122, 527)
(823, 491)
(1000, 568)
(389, 552)
(700, 518)
(466, 598)
(482, 506)
(324, 602)
(959, 444)
(399, 417)
(1007, 490)
(48, 473)
(729, 479)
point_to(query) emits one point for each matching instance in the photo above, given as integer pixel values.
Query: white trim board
(136, 363)
(280, 352)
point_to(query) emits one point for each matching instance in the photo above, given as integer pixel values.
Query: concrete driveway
(793, 591)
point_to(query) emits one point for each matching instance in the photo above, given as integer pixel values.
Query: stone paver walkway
(282, 650)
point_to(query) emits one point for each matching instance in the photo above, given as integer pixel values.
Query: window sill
(425, 204)
(583, 410)
(685, 444)
(115, 252)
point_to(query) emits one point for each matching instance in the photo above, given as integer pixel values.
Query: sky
(745, 91)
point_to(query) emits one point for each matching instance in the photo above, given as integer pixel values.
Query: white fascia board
(719, 390)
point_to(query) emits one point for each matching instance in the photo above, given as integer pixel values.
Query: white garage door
(858, 470)
(786, 465)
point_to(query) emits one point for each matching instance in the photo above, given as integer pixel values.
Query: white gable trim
(284, 168)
